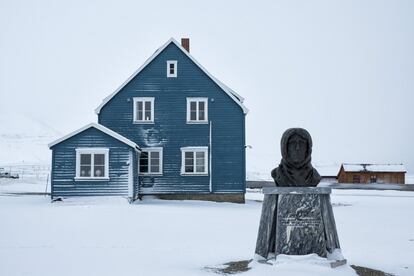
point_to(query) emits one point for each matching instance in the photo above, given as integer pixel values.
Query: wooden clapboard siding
(365, 177)
(171, 131)
(64, 166)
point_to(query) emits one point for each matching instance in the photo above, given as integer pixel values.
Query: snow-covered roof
(327, 170)
(98, 127)
(232, 94)
(374, 167)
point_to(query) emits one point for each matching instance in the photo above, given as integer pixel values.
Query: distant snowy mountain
(258, 176)
(24, 140)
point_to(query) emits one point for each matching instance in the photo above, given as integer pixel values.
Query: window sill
(149, 174)
(197, 122)
(143, 122)
(194, 174)
(91, 178)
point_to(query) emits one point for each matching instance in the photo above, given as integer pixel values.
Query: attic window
(171, 68)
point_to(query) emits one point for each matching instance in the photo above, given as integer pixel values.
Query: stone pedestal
(297, 221)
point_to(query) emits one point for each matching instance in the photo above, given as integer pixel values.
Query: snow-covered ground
(108, 236)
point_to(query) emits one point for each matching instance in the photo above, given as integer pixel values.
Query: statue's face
(297, 148)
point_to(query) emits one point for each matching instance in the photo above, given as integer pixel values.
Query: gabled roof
(101, 128)
(232, 94)
(373, 167)
(327, 170)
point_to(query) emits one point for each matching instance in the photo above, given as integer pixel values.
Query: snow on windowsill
(91, 178)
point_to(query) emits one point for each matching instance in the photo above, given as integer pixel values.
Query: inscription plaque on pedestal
(299, 226)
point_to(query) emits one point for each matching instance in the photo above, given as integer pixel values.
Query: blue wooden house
(171, 130)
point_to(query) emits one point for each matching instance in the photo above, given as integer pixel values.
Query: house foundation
(233, 198)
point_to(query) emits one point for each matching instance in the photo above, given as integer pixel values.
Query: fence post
(47, 184)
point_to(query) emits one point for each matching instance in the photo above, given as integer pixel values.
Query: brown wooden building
(372, 173)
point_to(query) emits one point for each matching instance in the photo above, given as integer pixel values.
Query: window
(171, 68)
(356, 179)
(150, 161)
(92, 163)
(197, 110)
(373, 179)
(144, 110)
(194, 161)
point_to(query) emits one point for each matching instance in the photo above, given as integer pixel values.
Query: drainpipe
(210, 158)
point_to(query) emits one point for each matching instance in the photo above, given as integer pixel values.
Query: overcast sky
(344, 70)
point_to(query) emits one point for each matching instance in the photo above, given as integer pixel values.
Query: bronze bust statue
(297, 217)
(295, 168)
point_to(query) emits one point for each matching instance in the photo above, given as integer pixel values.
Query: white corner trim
(143, 99)
(130, 176)
(233, 95)
(101, 128)
(174, 62)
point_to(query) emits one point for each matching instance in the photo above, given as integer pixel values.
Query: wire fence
(27, 171)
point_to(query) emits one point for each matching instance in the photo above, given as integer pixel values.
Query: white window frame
(194, 150)
(169, 62)
(150, 150)
(197, 100)
(92, 152)
(143, 100)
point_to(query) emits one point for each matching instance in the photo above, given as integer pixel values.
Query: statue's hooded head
(295, 168)
(296, 147)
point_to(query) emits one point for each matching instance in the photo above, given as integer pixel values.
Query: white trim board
(98, 127)
(233, 95)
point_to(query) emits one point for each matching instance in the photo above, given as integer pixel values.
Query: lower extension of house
(171, 130)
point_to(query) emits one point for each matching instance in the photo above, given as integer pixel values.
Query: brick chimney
(185, 42)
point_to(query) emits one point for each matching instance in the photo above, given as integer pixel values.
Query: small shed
(328, 173)
(372, 173)
(94, 160)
